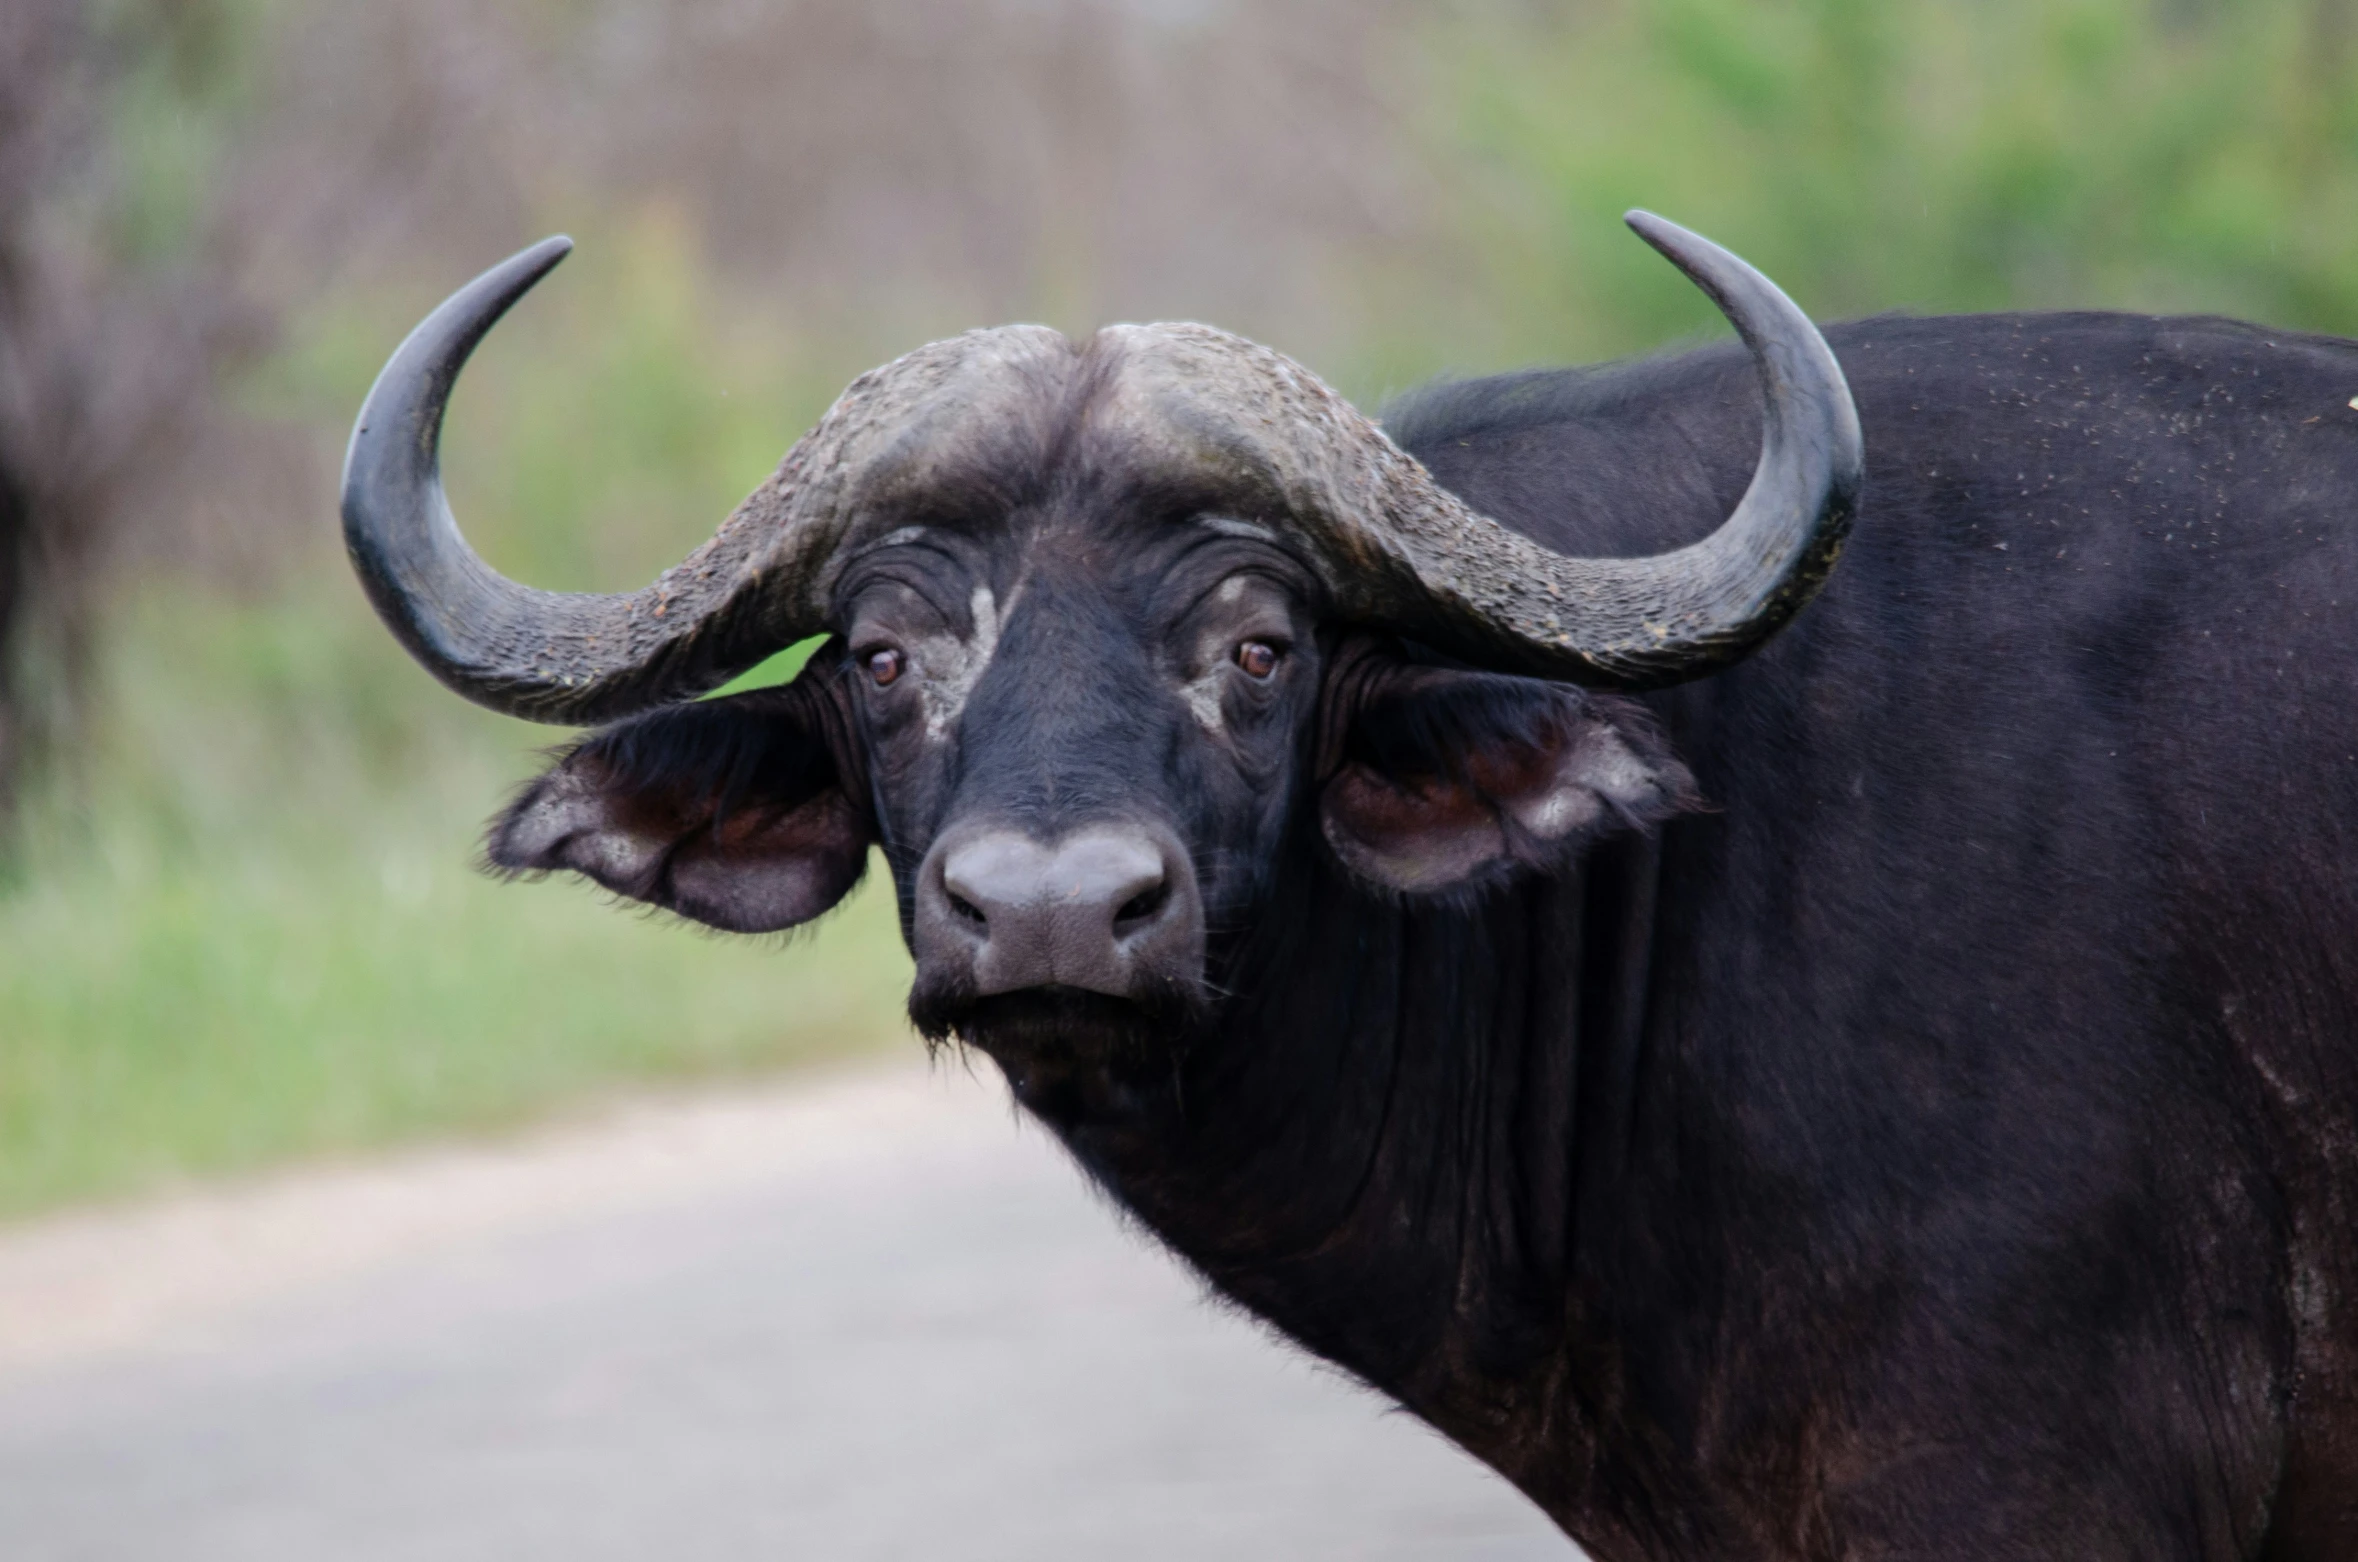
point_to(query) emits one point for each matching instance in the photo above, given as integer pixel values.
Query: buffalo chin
(1069, 1054)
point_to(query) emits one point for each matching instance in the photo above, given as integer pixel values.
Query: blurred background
(238, 917)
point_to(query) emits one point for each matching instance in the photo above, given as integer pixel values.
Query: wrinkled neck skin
(1399, 1161)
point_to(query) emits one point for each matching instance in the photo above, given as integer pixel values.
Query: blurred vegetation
(239, 921)
(245, 922)
(1935, 155)
(258, 933)
(116, 317)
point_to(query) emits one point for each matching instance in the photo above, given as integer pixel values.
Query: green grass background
(255, 929)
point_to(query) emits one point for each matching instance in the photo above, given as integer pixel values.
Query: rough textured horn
(1396, 548)
(546, 655)
(758, 586)
(553, 656)
(1392, 545)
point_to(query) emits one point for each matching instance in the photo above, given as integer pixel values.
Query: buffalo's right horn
(546, 655)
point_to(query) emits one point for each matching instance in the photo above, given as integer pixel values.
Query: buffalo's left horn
(1646, 622)
(546, 655)
(1396, 548)
(1642, 623)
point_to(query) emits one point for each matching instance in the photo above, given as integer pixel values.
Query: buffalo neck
(1402, 1129)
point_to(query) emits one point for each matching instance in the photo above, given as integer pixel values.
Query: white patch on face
(1203, 697)
(948, 668)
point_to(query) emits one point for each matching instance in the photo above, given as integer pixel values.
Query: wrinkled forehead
(1156, 418)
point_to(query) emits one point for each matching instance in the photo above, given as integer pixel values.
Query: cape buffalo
(1882, 1088)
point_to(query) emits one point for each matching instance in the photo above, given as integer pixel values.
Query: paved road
(868, 1318)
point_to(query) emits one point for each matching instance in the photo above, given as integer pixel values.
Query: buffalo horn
(1392, 545)
(546, 655)
(1399, 549)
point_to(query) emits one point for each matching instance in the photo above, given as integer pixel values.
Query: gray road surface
(870, 1318)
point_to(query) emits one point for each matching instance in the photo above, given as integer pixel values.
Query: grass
(250, 928)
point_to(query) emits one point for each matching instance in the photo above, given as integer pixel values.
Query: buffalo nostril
(1144, 904)
(967, 909)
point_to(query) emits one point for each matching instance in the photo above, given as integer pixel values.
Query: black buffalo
(1886, 1089)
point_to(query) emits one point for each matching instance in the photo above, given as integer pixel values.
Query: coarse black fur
(714, 756)
(1946, 1143)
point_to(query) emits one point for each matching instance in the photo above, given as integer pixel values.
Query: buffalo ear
(1447, 779)
(732, 812)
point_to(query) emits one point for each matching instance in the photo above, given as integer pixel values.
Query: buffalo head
(1118, 630)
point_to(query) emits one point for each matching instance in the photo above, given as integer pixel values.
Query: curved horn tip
(517, 275)
(549, 250)
(1682, 247)
(497, 289)
(418, 571)
(544, 656)
(1652, 228)
(442, 343)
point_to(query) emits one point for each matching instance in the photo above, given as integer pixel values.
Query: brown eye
(1257, 657)
(885, 667)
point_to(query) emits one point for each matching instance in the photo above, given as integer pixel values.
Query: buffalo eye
(885, 667)
(1257, 657)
